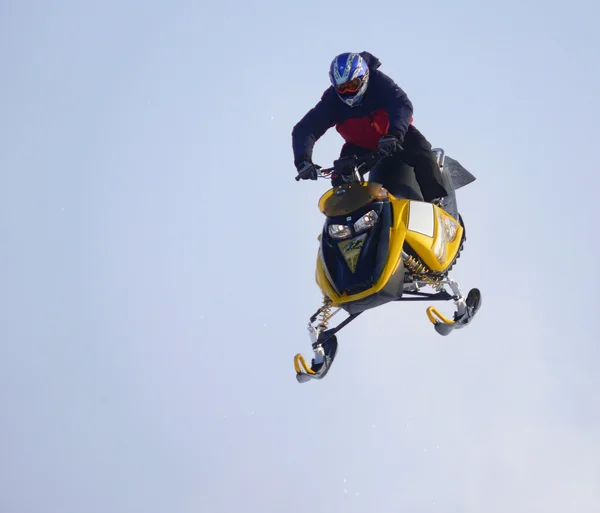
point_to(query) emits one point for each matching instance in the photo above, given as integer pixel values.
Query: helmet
(349, 75)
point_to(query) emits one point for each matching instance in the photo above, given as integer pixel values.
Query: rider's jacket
(384, 109)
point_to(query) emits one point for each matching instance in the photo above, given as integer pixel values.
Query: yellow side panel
(424, 245)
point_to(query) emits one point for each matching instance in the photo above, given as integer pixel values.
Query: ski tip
(444, 329)
(302, 378)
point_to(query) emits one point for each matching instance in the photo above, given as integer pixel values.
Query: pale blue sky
(158, 263)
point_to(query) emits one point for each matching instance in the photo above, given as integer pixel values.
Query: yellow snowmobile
(379, 245)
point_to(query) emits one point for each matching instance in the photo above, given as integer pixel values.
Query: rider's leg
(417, 152)
(397, 177)
(392, 172)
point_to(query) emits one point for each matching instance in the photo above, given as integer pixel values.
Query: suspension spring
(420, 271)
(324, 313)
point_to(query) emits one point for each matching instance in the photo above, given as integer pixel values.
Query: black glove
(388, 144)
(307, 171)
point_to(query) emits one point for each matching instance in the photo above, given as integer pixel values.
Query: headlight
(365, 222)
(447, 230)
(451, 228)
(339, 231)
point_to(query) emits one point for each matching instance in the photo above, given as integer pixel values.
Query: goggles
(349, 87)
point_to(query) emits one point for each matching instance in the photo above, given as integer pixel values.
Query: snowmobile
(380, 245)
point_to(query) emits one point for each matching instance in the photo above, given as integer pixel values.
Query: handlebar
(342, 165)
(323, 172)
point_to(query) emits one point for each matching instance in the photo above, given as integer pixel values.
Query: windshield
(347, 198)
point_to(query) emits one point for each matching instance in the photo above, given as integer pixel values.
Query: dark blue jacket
(384, 109)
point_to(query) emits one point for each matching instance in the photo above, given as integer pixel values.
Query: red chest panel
(366, 131)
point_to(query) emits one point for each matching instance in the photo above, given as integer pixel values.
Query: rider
(374, 114)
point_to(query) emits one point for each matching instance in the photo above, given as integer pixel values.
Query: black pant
(397, 177)
(417, 153)
(393, 173)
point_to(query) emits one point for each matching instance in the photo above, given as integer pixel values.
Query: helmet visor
(350, 87)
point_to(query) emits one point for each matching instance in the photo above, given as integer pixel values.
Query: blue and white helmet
(349, 75)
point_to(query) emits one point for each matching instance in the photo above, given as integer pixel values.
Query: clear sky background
(158, 263)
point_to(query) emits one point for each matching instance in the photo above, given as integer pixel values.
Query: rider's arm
(398, 106)
(312, 126)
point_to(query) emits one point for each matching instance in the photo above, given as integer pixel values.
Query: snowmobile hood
(372, 61)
